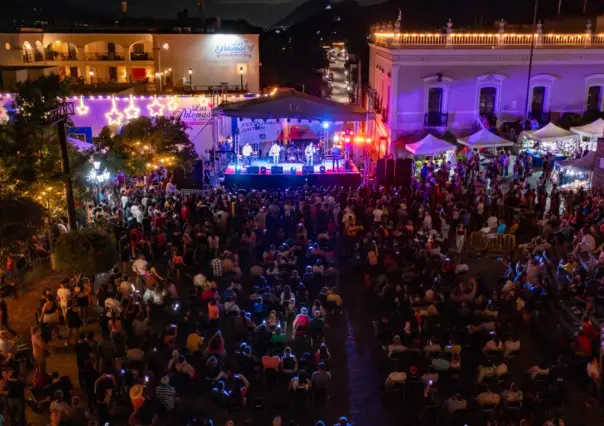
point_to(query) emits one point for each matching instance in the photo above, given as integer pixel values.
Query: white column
(393, 108)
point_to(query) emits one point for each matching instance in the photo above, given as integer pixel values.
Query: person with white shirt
(199, 280)
(396, 378)
(511, 345)
(377, 214)
(274, 153)
(247, 154)
(124, 199)
(140, 266)
(64, 296)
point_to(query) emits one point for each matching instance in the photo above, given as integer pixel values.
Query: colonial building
(180, 61)
(446, 81)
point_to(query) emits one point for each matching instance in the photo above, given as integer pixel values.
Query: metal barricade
(495, 243)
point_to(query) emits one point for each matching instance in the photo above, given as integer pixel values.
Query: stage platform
(292, 176)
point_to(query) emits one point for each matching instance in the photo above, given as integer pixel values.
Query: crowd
(222, 294)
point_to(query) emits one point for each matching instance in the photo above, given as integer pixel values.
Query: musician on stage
(308, 153)
(274, 152)
(335, 157)
(247, 154)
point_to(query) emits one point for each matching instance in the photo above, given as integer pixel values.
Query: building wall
(566, 74)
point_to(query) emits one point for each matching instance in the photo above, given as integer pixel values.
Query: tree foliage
(20, 219)
(145, 144)
(88, 251)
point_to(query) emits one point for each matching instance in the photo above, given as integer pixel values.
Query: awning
(298, 132)
(584, 163)
(550, 133)
(292, 104)
(484, 139)
(592, 130)
(430, 145)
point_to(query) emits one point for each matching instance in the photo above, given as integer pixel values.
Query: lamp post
(158, 76)
(91, 74)
(191, 79)
(97, 177)
(241, 76)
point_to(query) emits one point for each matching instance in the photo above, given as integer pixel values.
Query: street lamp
(191, 79)
(97, 177)
(241, 76)
(158, 77)
(91, 74)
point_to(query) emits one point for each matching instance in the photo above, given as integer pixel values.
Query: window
(138, 48)
(487, 103)
(538, 102)
(594, 98)
(435, 99)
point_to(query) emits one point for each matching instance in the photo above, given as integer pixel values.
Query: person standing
(308, 153)
(15, 389)
(460, 236)
(247, 154)
(4, 317)
(335, 157)
(274, 153)
(39, 349)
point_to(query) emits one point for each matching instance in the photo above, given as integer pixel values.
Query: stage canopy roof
(292, 104)
(550, 133)
(484, 139)
(299, 132)
(592, 130)
(429, 145)
(584, 164)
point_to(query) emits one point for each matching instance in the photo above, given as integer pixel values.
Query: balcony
(469, 40)
(436, 119)
(104, 56)
(60, 56)
(541, 116)
(141, 56)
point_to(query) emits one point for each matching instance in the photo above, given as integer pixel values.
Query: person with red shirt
(136, 235)
(184, 212)
(158, 221)
(583, 345)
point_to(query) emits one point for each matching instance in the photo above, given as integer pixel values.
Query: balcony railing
(104, 56)
(141, 56)
(541, 116)
(60, 56)
(488, 40)
(436, 119)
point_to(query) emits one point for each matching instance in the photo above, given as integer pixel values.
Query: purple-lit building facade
(446, 81)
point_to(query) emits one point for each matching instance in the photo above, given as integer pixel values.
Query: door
(73, 72)
(71, 51)
(111, 50)
(594, 98)
(538, 103)
(488, 98)
(435, 106)
(113, 74)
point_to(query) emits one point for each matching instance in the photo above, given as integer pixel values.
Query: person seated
(453, 347)
(299, 382)
(396, 347)
(456, 403)
(493, 370)
(487, 398)
(396, 378)
(455, 363)
(440, 363)
(540, 369)
(195, 342)
(221, 396)
(512, 394)
(511, 345)
(289, 362)
(493, 345)
(321, 379)
(270, 361)
(322, 355)
(278, 338)
(431, 347)
(301, 322)
(430, 377)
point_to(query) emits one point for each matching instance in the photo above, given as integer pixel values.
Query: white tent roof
(550, 133)
(429, 146)
(484, 139)
(595, 129)
(585, 163)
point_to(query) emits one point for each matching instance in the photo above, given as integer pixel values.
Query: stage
(293, 175)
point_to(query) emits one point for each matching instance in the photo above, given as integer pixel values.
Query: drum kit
(296, 154)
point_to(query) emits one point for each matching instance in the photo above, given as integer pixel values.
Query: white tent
(584, 164)
(550, 133)
(484, 139)
(429, 145)
(592, 130)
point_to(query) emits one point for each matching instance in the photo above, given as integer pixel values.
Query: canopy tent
(292, 104)
(484, 139)
(584, 164)
(429, 145)
(591, 130)
(79, 144)
(550, 133)
(299, 132)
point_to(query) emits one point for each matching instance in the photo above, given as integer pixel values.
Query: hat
(165, 380)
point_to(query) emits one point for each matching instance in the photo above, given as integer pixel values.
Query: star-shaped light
(156, 108)
(203, 101)
(114, 116)
(132, 111)
(172, 105)
(82, 109)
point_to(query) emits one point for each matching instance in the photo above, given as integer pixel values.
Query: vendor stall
(549, 139)
(574, 172)
(429, 146)
(484, 139)
(589, 134)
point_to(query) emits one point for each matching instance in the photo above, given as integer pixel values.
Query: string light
(172, 105)
(82, 109)
(114, 116)
(132, 111)
(156, 108)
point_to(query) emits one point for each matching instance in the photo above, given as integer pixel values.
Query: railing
(541, 116)
(27, 57)
(490, 40)
(104, 56)
(59, 56)
(436, 119)
(141, 56)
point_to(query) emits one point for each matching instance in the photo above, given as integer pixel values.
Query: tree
(20, 219)
(88, 251)
(145, 144)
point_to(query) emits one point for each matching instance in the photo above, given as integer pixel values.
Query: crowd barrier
(497, 243)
